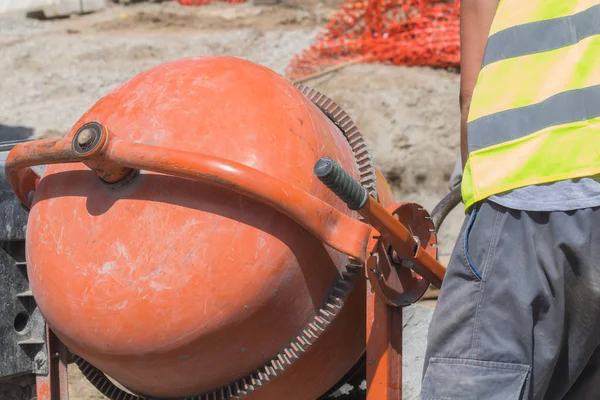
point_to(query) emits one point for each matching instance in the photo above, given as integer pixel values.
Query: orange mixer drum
(180, 288)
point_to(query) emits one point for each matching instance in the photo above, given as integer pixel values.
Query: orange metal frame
(114, 159)
(54, 386)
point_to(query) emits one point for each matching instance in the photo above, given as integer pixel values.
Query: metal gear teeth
(279, 364)
(351, 132)
(316, 328)
(298, 349)
(309, 336)
(332, 307)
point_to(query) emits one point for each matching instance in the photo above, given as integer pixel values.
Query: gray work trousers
(518, 316)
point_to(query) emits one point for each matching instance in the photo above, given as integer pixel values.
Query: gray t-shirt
(572, 194)
(567, 195)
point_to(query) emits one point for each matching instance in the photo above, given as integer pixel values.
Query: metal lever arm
(113, 159)
(357, 198)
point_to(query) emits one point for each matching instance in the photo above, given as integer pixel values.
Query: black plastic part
(23, 347)
(341, 183)
(18, 388)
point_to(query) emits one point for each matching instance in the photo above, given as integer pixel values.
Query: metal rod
(392, 230)
(54, 385)
(403, 242)
(384, 349)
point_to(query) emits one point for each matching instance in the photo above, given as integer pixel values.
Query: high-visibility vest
(535, 112)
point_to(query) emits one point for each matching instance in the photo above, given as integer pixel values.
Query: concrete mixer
(208, 230)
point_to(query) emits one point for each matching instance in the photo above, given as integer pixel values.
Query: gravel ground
(53, 71)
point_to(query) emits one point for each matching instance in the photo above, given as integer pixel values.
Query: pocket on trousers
(480, 239)
(475, 272)
(461, 379)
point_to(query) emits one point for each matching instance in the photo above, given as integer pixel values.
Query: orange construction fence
(400, 32)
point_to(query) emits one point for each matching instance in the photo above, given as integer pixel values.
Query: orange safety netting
(401, 32)
(202, 2)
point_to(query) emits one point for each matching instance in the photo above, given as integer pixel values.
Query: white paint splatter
(158, 286)
(261, 242)
(119, 306)
(106, 268)
(121, 250)
(60, 238)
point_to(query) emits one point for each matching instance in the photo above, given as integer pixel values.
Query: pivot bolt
(86, 137)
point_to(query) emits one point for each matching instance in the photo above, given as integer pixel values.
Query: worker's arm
(476, 18)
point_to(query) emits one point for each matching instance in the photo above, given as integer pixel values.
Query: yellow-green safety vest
(535, 111)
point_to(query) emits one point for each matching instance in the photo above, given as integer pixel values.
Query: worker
(518, 315)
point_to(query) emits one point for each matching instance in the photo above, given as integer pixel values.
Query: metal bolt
(86, 137)
(417, 239)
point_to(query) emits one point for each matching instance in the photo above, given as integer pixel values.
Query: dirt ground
(53, 71)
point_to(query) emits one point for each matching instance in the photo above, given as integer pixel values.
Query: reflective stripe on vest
(534, 116)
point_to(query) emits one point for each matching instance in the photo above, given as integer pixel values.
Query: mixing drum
(200, 275)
